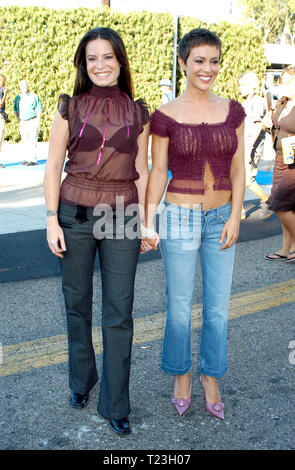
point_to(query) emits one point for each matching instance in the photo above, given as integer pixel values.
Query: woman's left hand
(267, 120)
(230, 233)
(148, 244)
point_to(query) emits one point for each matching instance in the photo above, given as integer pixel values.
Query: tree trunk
(106, 2)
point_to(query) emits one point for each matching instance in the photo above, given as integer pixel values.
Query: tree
(276, 18)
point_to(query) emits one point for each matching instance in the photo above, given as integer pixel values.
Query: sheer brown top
(104, 125)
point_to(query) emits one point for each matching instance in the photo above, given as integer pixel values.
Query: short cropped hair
(195, 38)
(290, 70)
(248, 73)
(251, 77)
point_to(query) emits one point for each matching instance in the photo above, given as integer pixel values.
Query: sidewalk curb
(17, 175)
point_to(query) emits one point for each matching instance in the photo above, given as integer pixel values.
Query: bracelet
(147, 232)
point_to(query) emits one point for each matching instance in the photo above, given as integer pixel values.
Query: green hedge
(39, 44)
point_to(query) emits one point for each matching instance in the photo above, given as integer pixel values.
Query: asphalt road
(258, 389)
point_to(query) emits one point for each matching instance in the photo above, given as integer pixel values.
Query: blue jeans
(184, 233)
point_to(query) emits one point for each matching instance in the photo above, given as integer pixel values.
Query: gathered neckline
(191, 124)
(105, 91)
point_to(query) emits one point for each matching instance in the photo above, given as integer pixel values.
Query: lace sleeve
(237, 114)
(159, 124)
(63, 106)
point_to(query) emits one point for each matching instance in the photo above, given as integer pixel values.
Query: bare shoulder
(220, 101)
(167, 108)
(171, 108)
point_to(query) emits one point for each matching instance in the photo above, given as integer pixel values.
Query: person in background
(282, 197)
(201, 135)
(166, 90)
(255, 109)
(3, 95)
(106, 134)
(27, 108)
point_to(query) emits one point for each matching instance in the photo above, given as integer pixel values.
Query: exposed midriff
(209, 200)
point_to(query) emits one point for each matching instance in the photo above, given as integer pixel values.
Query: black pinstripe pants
(118, 260)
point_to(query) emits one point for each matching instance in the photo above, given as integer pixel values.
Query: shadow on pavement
(25, 255)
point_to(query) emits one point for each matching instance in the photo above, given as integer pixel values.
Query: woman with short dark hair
(200, 136)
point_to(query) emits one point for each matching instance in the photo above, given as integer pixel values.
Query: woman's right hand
(267, 120)
(55, 239)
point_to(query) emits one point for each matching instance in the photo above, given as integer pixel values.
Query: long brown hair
(83, 82)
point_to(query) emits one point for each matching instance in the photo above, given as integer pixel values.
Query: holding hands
(149, 239)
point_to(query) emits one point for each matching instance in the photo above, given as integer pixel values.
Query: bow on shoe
(218, 406)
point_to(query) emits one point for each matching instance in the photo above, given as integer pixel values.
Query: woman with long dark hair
(106, 135)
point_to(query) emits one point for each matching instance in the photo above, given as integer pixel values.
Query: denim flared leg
(179, 250)
(184, 233)
(217, 269)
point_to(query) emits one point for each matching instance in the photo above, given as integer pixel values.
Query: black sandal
(291, 260)
(278, 257)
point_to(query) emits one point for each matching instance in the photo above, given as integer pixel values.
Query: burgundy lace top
(104, 125)
(192, 145)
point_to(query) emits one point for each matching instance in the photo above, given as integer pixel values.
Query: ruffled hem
(90, 194)
(283, 200)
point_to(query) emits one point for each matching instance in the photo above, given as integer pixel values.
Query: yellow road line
(30, 355)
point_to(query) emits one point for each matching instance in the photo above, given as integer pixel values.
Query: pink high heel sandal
(182, 404)
(216, 409)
